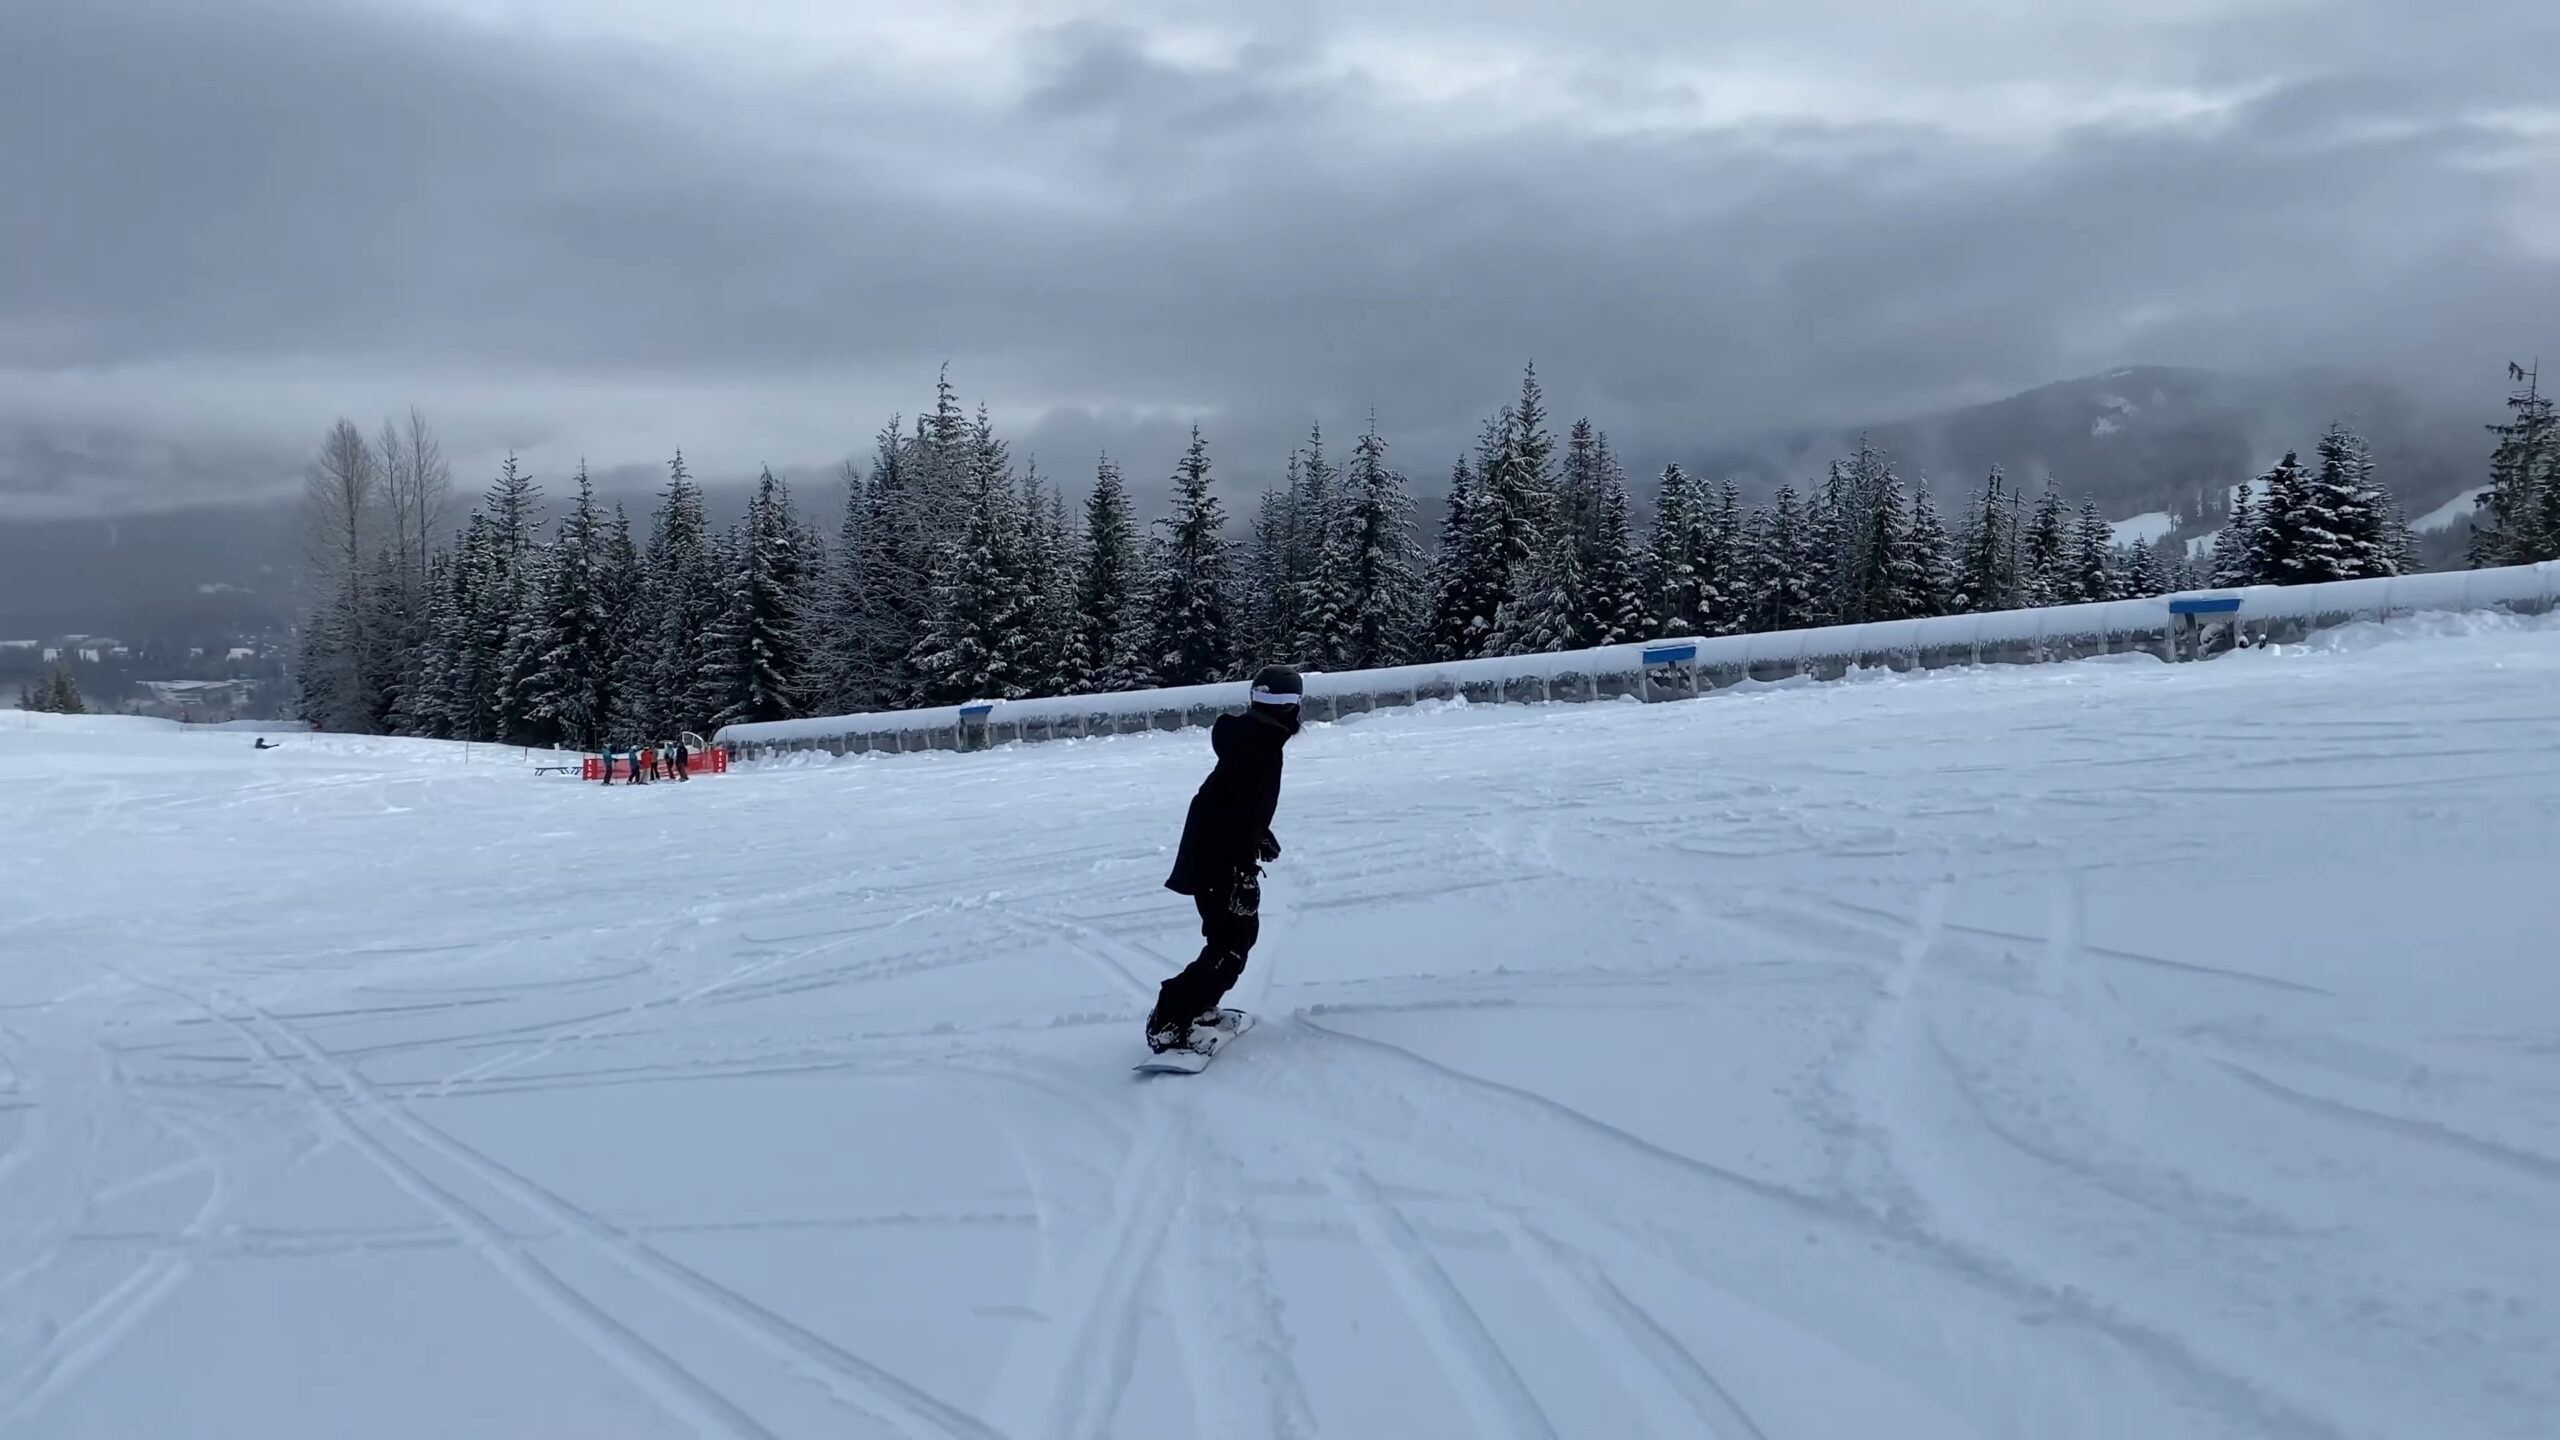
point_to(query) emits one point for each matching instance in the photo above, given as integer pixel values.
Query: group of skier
(671, 761)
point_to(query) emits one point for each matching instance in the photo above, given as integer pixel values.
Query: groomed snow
(2098, 1050)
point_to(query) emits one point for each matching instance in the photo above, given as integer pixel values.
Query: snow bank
(2359, 635)
(1680, 668)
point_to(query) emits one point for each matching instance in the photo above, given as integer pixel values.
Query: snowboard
(1208, 1040)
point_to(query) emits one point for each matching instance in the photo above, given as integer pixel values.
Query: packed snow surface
(2107, 1050)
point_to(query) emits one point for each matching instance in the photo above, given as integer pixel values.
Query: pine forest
(945, 571)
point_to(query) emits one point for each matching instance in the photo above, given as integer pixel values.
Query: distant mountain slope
(2156, 439)
(220, 568)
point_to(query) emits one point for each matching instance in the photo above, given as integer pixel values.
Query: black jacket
(1222, 835)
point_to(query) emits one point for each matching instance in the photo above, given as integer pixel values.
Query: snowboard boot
(1168, 1035)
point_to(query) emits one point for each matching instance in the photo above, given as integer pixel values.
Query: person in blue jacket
(1226, 839)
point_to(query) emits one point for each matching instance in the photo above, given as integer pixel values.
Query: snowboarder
(1226, 839)
(682, 760)
(608, 764)
(265, 744)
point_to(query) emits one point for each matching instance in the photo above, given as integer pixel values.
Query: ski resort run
(2106, 1050)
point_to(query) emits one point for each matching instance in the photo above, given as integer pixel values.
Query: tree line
(954, 574)
(54, 694)
(2519, 513)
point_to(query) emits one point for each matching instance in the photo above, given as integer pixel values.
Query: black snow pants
(1230, 921)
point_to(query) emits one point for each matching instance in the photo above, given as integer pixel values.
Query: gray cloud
(229, 224)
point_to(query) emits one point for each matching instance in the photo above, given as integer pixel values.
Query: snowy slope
(2106, 1050)
(2152, 526)
(2452, 512)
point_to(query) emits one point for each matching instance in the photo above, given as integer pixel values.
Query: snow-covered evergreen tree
(2093, 543)
(622, 587)
(569, 688)
(720, 679)
(769, 598)
(939, 492)
(1547, 614)
(1685, 601)
(1892, 587)
(1265, 588)
(427, 710)
(2377, 509)
(1529, 474)
(687, 604)
(393, 637)
(1933, 557)
(2276, 543)
(2050, 576)
(1727, 581)
(520, 659)
(1321, 609)
(2399, 547)
(1787, 571)
(2339, 530)
(977, 643)
(2141, 574)
(889, 574)
(473, 707)
(1510, 520)
(469, 712)
(1833, 537)
(2235, 546)
(1577, 502)
(2179, 572)
(831, 639)
(1867, 531)
(1190, 642)
(2516, 523)
(1056, 631)
(1111, 602)
(508, 624)
(1612, 568)
(1461, 587)
(1372, 591)
(54, 694)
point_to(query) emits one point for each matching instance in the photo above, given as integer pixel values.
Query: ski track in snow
(1495, 1396)
(2107, 1050)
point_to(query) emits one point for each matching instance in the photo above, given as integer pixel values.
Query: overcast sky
(755, 228)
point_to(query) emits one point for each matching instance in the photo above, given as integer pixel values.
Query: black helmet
(1277, 685)
(1276, 691)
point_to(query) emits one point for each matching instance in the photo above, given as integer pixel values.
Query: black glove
(1270, 849)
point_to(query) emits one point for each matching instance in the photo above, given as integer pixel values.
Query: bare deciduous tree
(417, 491)
(341, 521)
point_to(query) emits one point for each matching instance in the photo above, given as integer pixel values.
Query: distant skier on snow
(1226, 838)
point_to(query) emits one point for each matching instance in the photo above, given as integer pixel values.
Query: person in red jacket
(1226, 839)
